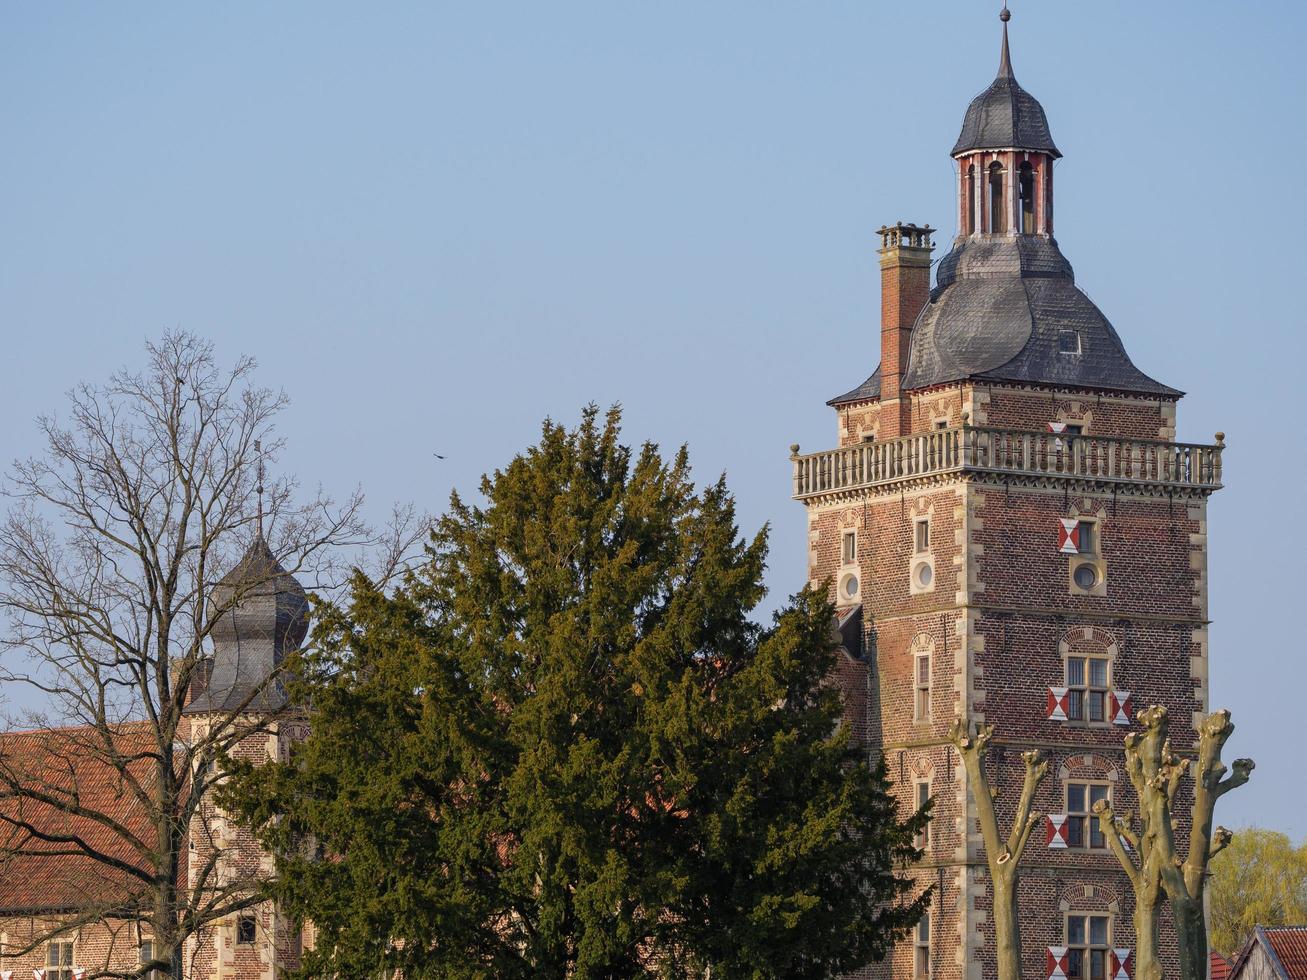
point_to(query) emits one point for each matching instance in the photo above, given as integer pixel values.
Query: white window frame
(921, 688)
(920, 531)
(849, 547)
(921, 948)
(54, 970)
(1086, 948)
(920, 797)
(1086, 820)
(1082, 693)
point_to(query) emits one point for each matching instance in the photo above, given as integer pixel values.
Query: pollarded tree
(1158, 774)
(563, 749)
(1002, 855)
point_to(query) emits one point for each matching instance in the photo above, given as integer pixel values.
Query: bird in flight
(437, 455)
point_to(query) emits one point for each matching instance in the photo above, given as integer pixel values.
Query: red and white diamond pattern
(1121, 962)
(1068, 535)
(1057, 704)
(1121, 706)
(1056, 831)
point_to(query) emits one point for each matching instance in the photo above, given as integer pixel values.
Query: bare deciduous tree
(1157, 775)
(1002, 856)
(143, 497)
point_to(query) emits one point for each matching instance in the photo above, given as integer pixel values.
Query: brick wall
(999, 621)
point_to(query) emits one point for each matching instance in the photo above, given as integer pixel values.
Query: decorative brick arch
(1088, 640)
(921, 643)
(1086, 896)
(1089, 766)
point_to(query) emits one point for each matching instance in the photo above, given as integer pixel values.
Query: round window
(851, 586)
(925, 575)
(1085, 576)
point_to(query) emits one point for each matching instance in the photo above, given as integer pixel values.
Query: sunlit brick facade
(1013, 537)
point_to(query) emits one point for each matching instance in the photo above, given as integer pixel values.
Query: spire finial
(258, 449)
(1005, 63)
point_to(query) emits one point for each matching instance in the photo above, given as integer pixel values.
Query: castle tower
(1012, 536)
(261, 614)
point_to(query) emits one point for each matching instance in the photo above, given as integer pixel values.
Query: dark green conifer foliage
(563, 750)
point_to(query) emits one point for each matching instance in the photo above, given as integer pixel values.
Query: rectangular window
(1086, 947)
(1068, 341)
(147, 956)
(869, 438)
(1073, 429)
(942, 424)
(921, 949)
(921, 685)
(1082, 828)
(850, 547)
(921, 792)
(1087, 537)
(59, 960)
(1087, 686)
(921, 535)
(245, 930)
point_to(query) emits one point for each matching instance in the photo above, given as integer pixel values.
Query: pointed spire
(1005, 63)
(258, 449)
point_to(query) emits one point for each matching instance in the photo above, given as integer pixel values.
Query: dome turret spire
(1005, 62)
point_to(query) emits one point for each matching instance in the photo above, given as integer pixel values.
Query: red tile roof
(1289, 944)
(41, 865)
(1220, 966)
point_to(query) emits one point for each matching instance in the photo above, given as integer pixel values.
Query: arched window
(1027, 188)
(969, 202)
(997, 213)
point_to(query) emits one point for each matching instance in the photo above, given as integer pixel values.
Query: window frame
(1087, 947)
(253, 920)
(54, 970)
(921, 958)
(1079, 695)
(921, 688)
(921, 535)
(144, 954)
(849, 552)
(1086, 820)
(921, 797)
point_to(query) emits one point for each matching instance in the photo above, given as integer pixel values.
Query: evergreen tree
(562, 749)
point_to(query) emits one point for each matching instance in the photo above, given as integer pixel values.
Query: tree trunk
(1007, 927)
(1147, 964)
(1191, 931)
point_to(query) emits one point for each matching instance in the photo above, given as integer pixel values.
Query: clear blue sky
(436, 223)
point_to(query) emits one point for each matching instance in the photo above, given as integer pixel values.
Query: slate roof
(262, 614)
(1005, 116)
(1007, 308)
(38, 875)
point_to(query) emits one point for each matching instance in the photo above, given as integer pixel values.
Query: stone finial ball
(1005, 15)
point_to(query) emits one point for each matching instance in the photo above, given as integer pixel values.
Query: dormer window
(997, 213)
(1068, 342)
(1026, 187)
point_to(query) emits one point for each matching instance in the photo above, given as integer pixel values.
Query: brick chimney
(904, 290)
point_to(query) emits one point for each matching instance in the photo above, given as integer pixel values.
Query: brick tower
(1012, 536)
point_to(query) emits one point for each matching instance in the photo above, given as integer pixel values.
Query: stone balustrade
(1167, 466)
